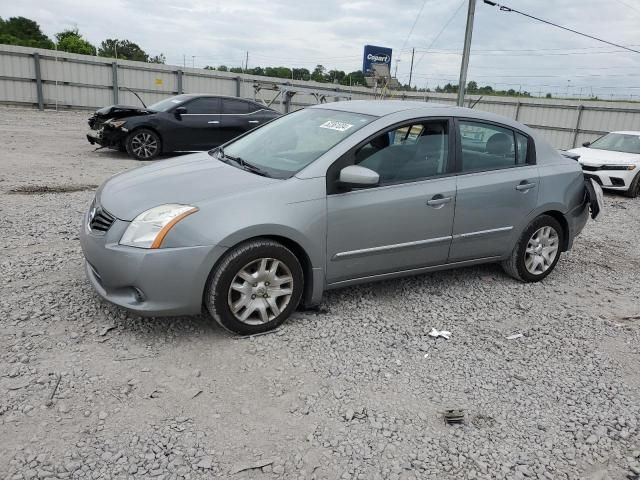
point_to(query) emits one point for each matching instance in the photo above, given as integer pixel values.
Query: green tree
(548, 95)
(23, 31)
(318, 74)
(71, 41)
(123, 49)
(472, 87)
(301, 74)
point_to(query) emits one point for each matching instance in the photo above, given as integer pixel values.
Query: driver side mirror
(355, 176)
(178, 112)
(586, 144)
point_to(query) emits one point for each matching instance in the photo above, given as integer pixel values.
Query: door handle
(438, 201)
(524, 186)
(214, 121)
(254, 121)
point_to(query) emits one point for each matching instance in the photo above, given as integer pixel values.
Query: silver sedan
(330, 196)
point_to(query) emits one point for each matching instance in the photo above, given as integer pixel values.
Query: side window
(522, 144)
(204, 105)
(407, 153)
(234, 106)
(486, 147)
(253, 107)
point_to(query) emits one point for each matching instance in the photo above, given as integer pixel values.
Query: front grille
(99, 219)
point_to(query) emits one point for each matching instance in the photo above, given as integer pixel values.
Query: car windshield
(288, 144)
(168, 103)
(618, 142)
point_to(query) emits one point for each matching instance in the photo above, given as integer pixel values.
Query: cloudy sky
(508, 50)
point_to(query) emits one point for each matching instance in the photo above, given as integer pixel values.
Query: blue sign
(375, 56)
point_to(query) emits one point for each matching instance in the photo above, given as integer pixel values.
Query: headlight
(149, 228)
(618, 167)
(115, 123)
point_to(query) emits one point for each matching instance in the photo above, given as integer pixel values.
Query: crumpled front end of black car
(107, 125)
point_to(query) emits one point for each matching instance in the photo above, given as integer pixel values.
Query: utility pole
(184, 60)
(413, 51)
(466, 51)
(193, 61)
(246, 62)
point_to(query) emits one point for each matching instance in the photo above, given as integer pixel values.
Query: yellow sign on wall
(158, 81)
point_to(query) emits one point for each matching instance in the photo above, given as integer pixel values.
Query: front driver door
(405, 222)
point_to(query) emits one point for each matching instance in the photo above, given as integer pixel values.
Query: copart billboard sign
(375, 55)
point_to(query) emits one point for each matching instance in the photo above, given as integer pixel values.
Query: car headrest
(381, 141)
(499, 144)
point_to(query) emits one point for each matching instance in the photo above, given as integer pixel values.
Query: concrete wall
(48, 79)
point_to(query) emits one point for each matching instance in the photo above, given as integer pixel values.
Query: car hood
(596, 157)
(186, 180)
(121, 111)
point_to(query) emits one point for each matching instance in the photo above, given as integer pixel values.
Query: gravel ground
(357, 390)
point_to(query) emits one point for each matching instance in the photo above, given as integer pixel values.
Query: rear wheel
(634, 188)
(537, 251)
(143, 144)
(255, 288)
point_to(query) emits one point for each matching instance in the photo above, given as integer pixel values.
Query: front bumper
(161, 282)
(612, 179)
(107, 137)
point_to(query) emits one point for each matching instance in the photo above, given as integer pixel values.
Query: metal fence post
(238, 84)
(517, 110)
(36, 61)
(179, 81)
(577, 129)
(114, 81)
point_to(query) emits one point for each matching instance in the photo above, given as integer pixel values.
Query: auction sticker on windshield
(339, 126)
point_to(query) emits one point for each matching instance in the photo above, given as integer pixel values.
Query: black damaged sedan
(180, 123)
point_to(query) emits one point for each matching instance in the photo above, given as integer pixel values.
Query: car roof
(194, 95)
(412, 109)
(380, 108)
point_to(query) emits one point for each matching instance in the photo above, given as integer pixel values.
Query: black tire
(634, 188)
(143, 144)
(218, 294)
(515, 264)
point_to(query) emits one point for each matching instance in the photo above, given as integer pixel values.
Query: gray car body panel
(348, 238)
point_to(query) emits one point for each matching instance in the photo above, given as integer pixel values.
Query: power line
(627, 5)
(504, 8)
(440, 33)
(412, 27)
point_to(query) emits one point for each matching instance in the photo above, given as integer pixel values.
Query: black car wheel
(143, 144)
(255, 288)
(634, 189)
(537, 251)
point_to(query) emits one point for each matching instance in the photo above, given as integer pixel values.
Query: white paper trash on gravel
(439, 333)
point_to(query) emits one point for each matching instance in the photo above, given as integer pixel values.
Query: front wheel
(634, 189)
(537, 251)
(255, 288)
(143, 144)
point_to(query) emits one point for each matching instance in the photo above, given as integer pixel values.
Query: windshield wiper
(242, 163)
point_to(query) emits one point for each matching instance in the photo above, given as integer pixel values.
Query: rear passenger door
(497, 188)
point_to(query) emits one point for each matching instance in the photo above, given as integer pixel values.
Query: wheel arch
(145, 126)
(562, 220)
(295, 247)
